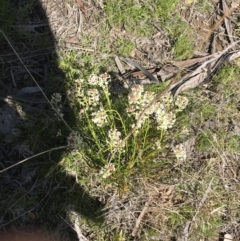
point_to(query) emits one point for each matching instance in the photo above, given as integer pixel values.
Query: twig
(188, 224)
(140, 217)
(81, 7)
(203, 199)
(80, 22)
(13, 80)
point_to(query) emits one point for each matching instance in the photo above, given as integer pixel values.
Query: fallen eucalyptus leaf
(136, 65)
(167, 72)
(190, 62)
(193, 82)
(206, 69)
(119, 65)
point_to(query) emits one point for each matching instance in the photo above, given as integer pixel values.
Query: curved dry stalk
(200, 205)
(31, 157)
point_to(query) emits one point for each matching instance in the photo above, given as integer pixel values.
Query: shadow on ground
(37, 192)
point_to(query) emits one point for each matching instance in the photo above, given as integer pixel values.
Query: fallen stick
(140, 217)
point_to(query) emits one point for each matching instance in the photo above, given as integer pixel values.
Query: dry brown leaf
(167, 72)
(119, 65)
(197, 76)
(73, 40)
(190, 62)
(145, 71)
(193, 82)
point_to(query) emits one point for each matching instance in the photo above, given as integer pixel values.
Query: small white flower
(140, 102)
(101, 81)
(56, 98)
(93, 97)
(140, 118)
(99, 117)
(59, 133)
(146, 101)
(114, 138)
(59, 113)
(185, 131)
(167, 98)
(166, 121)
(69, 93)
(158, 145)
(104, 80)
(181, 102)
(75, 141)
(135, 95)
(159, 114)
(146, 98)
(130, 109)
(57, 107)
(79, 81)
(107, 170)
(180, 152)
(105, 76)
(93, 79)
(159, 109)
(137, 89)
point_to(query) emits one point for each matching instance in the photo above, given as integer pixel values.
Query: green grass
(138, 18)
(182, 37)
(206, 6)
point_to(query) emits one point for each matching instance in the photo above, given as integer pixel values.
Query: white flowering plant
(105, 121)
(56, 104)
